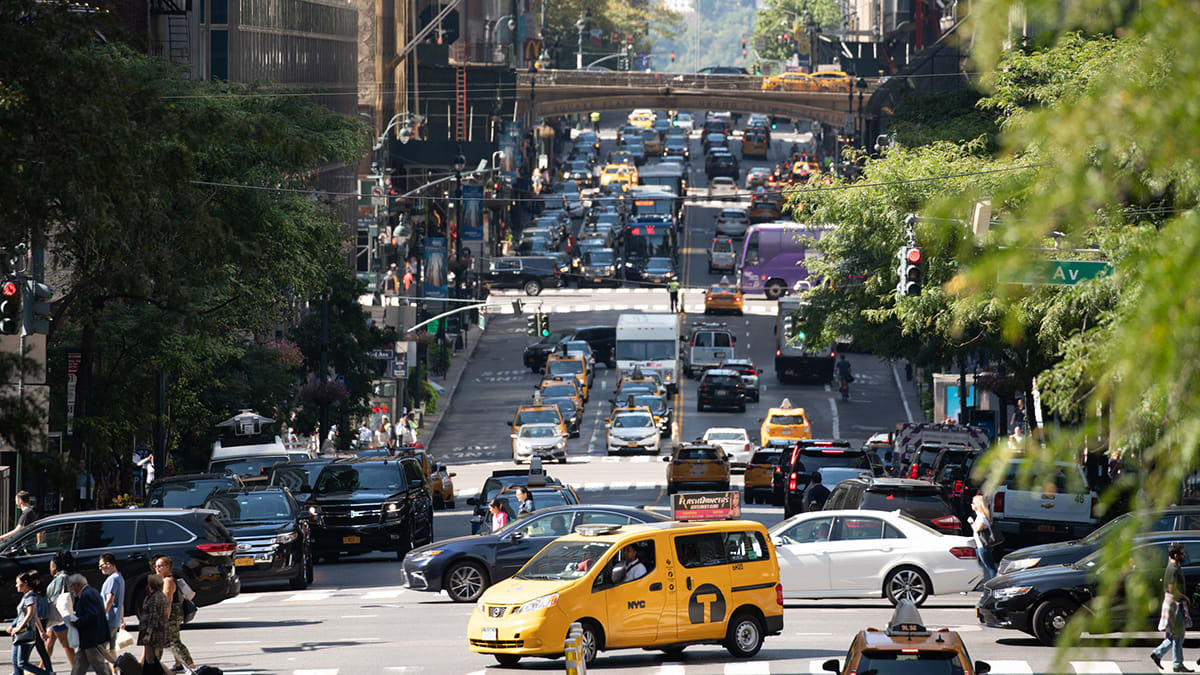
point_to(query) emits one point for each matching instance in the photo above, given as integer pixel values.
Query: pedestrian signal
(10, 307)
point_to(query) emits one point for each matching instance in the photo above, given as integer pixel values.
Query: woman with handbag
(26, 630)
(59, 597)
(985, 537)
(183, 658)
(154, 633)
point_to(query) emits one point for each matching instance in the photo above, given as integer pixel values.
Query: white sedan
(733, 222)
(869, 554)
(734, 441)
(722, 187)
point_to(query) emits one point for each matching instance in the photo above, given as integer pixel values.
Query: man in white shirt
(634, 569)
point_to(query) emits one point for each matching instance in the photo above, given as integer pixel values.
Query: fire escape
(460, 92)
(177, 45)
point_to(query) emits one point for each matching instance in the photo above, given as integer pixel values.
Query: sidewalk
(449, 383)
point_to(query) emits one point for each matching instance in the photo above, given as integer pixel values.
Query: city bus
(774, 255)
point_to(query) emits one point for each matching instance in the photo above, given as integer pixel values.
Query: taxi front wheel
(508, 660)
(745, 635)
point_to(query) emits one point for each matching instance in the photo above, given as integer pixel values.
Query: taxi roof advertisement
(706, 506)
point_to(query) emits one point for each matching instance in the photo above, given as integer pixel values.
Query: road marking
(592, 486)
(903, 397)
(648, 485)
(640, 459)
(321, 671)
(672, 669)
(601, 308)
(242, 599)
(310, 596)
(383, 595)
(237, 642)
(815, 667)
(833, 411)
(620, 485)
(748, 668)
(359, 616)
(1010, 668)
(1097, 667)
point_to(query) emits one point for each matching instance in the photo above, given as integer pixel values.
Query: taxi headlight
(1010, 592)
(1018, 565)
(544, 602)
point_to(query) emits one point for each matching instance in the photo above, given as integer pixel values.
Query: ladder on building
(460, 100)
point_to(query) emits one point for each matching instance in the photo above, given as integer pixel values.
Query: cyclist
(843, 374)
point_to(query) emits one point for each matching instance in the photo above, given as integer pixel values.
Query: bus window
(750, 256)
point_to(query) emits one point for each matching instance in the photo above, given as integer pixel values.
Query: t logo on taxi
(706, 599)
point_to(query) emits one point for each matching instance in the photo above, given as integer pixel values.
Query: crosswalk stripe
(316, 671)
(621, 485)
(592, 486)
(242, 599)
(1010, 668)
(648, 485)
(383, 595)
(641, 459)
(671, 669)
(814, 667)
(1096, 667)
(310, 596)
(748, 668)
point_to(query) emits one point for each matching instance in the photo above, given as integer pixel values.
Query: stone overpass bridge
(550, 93)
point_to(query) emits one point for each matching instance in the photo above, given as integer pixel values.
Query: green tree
(787, 18)
(646, 22)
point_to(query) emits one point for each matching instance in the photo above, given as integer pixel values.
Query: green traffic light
(800, 335)
(545, 332)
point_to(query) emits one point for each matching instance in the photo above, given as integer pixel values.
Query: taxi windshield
(536, 416)
(632, 421)
(569, 367)
(563, 560)
(882, 662)
(558, 390)
(786, 420)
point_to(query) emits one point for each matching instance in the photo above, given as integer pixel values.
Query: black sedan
(464, 567)
(1068, 552)
(272, 534)
(572, 414)
(1041, 600)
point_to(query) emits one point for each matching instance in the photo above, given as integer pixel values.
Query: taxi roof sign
(597, 529)
(906, 620)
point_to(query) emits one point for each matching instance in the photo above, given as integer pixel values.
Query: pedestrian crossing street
(756, 667)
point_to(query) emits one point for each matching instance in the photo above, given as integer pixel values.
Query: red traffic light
(743, 43)
(743, 52)
(672, 57)
(914, 255)
(9, 289)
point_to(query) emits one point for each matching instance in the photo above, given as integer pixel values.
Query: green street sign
(1058, 272)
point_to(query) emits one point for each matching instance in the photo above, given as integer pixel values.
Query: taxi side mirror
(832, 666)
(516, 535)
(618, 573)
(982, 667)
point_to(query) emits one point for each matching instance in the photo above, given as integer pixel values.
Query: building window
(219, 60)
(220, 11)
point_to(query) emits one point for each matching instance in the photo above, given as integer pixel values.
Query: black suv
(536, 353)
(529, 273)
(371, 504)
(602, 340)
(721, 388)
(274, 541)
(189, 490)
(808, 456)
(721, 164)
(919, 499)
(200, 547)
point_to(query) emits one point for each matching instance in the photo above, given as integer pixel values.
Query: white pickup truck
(1060, 510)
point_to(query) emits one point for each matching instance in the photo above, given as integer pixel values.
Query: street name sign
(1058, 272)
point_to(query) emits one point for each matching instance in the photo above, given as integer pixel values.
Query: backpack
(208, 670)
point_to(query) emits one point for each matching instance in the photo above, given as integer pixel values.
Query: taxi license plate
(1046, 528)
(243, 562)
(488, 634)
(722, 392)
(351, 540)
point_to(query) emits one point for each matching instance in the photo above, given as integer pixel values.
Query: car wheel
(465, 582)
(508, 660)
(1050, 619)
(907, 583)
(533, 287)
(590, 642)
(699, 406)
(775, 290)
(304, 574)
(745, 635)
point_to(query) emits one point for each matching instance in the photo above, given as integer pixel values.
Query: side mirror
(452, 475)
(471, 501)
(666, 459)
(982, 667)
(832, 666)
(516, 535)
(618, 573)
(512, 435)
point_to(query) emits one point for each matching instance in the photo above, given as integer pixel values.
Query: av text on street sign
(1058, 272)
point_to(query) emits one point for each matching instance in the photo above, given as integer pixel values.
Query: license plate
(631, 445)
(488, 634)
(1047, 528)
(243, 562)
(722, 392)
(351, 540)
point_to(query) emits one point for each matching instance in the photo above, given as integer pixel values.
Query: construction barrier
(573, 651)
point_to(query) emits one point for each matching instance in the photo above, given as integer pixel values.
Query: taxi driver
(634, 569)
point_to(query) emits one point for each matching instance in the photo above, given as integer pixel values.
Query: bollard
(573, 651)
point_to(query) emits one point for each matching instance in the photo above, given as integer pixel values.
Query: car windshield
(699, 453)
(538, 431)
(722, 247)
(246, 466)
(298, 476)
(349, 478)
(817, 461)
(185, 494)
(725, 436)
(558, 390)
(537, 417)
(598, 257)
(722, 380)
(565, 405)
(832, 476)
(786, 420)
(646, 350)
(765, 458)
(565, 367)
(654, 403)
(889, 662)
(246, 507)
(563, 560)
(634, 421)
(658, 265)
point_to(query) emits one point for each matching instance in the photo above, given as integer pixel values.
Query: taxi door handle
(656, 586)
(689, 583)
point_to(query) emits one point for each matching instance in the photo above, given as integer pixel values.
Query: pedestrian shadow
(237, 623)
(317, 646)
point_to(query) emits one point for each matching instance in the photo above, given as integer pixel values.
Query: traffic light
(10, 307)
(909, 271)
(532, 323)
(743, 53)
(37, 308)
(743, 44)
(672, 57)
(543, 324)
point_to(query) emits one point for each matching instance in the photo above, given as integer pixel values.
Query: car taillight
(998, 503)
(779, 469)
(752, 372)
(747, 448)
(792, 481)
(963, 552)
(777, 352)
(217, 549)
(958, 488)
(913, 473)
(947, 523)
(779, 594)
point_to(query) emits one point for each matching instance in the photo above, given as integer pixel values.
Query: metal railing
(674, 81)
(479, 52)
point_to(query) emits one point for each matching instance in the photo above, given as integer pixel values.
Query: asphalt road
(357, 620)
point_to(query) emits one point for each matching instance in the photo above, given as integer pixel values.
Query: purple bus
(774, 255)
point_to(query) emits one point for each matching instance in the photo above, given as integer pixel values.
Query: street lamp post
(862, 88)
(581, 25)
(512, 27)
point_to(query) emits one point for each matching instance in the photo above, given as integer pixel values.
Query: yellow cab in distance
(439, 478)
(907, 646)
(575, 366)
(536, 413)
(759, 479)
(784, 422)
(723, 297)
(638, 376)
(832, 80)
(567, 386)
(657, 586)
(697, 466)
(623, 175)
(642, 118)
(789, 81)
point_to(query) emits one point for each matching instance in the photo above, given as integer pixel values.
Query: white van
(248, 445)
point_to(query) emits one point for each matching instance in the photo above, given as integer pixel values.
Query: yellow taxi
(790, 81)
(832, 80)
(723, 297)
(759, 478)
(575, 366)
(438, 477)
(907, 646)
(565, 386)
(622, 175)
(784, 422)
(536, 413)
(661, 586)
(642, 118)
(637, 376)
(696, 466)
